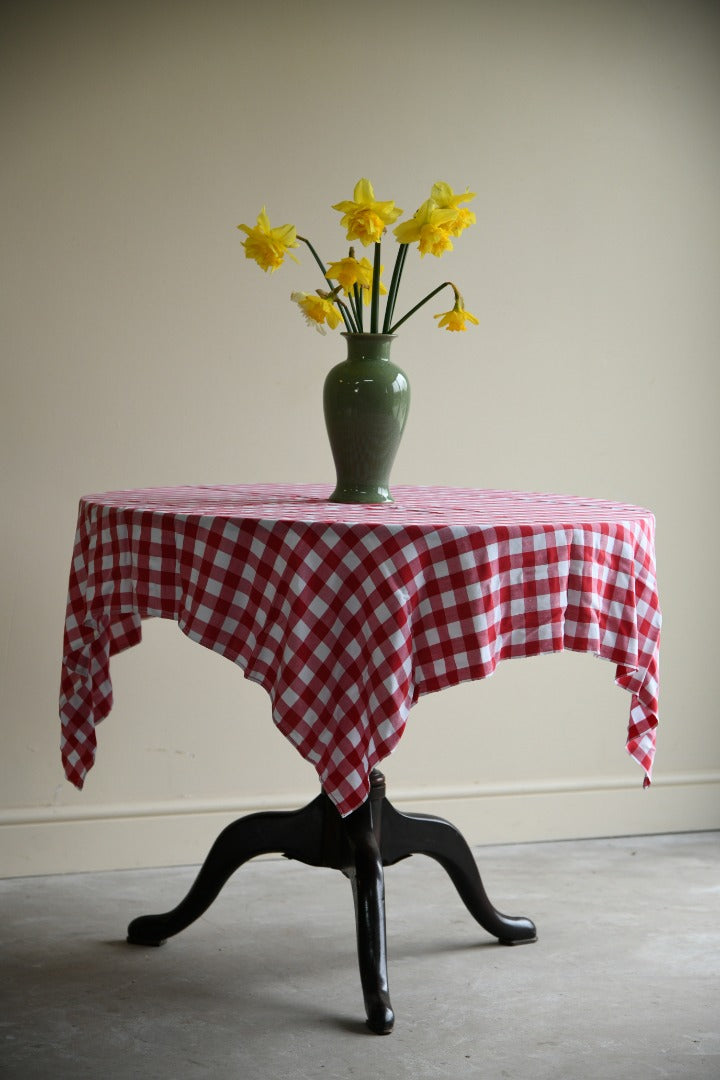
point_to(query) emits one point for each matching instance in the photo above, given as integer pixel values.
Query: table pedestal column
(360, 845)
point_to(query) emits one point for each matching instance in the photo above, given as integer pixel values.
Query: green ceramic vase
(366, 400)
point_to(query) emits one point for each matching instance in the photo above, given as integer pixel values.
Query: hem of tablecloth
(456, 678)
(546, 648)
(434, 684)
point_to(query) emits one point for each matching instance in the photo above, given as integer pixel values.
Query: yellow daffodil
(350, 272)
(455, 319)
(365, 218)
(317, 310)
(268, 246)
(429, 227)
(446, 199)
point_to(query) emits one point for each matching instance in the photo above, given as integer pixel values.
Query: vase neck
(369, 346)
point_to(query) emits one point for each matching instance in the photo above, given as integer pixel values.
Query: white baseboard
(60, 840)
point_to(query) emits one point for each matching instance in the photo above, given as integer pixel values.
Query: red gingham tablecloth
(347, 614)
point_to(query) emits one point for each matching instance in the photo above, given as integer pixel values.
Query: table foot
(295, 833)
(423, 834)
(379, 1012)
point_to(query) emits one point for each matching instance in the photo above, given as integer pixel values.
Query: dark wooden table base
(360, 845)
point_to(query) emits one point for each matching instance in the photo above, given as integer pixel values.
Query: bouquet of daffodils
(353, 283)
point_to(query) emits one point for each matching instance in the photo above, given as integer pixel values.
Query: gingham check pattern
(347, 614)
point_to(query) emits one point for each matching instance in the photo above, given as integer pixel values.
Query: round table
(346, 615)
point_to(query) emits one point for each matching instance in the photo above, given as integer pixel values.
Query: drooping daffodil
(456, 318)
(364, 217)
(318, 309)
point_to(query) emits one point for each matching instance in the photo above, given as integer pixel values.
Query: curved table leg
(296, 833)
(368, 886)
(361, 845)
(410, 834)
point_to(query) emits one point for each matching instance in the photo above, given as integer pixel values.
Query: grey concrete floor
(622, 984)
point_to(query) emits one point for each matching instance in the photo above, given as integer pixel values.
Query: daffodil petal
(363, 192)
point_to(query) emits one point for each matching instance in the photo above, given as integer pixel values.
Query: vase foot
(345, 493)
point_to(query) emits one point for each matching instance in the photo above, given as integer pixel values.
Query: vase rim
(368, 334)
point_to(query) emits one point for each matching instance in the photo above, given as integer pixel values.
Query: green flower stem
(375, 306)
(358, 306)
(347, 317)
(412, 311)
(394, 286)
(352, 305)
(315, 255)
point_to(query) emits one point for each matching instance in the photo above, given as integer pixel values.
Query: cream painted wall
(140, 348)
